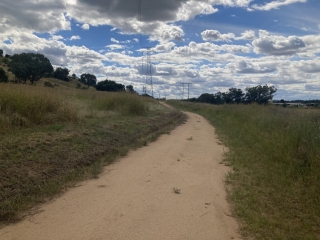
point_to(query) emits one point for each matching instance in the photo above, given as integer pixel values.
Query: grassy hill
(52, 137)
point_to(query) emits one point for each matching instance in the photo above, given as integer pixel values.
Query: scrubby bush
(3, 75)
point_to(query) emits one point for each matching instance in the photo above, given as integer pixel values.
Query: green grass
(275, 156)
(65, 135)
(24, 106)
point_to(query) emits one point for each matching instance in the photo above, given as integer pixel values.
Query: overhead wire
(197, 15)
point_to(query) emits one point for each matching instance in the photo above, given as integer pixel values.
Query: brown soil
(135, 198)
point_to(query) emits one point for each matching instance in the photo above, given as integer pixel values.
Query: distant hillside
(72, 83)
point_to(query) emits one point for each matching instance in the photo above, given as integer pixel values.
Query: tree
(3, 75)
(1, 52)
(235, 95)
(206, 98)
(110, 86)
(130, 89)
(30, 66)
(88, 79)
(74, 76)
(260, 94)
(61, 73)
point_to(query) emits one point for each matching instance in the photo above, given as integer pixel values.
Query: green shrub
(3, 75)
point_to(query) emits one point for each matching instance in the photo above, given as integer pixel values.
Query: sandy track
(134, 198)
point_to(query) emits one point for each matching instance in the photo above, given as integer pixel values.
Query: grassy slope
(275, 156)
(53, 137)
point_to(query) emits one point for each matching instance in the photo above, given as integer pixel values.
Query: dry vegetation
(275, 156)
(53, 137)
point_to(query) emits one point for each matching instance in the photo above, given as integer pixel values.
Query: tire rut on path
(134, 198)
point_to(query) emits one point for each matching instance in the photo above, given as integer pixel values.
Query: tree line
(258, 94)
(34, 66)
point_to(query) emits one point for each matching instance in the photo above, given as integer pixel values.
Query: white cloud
(114, 40)
(214, 35)
(247, 35)
(166, 33)
(56, 37)
(248, 68)
(75, 37)
(275, 4)
(310, 66)
(85, 26)
(277, 45)
(115, 47)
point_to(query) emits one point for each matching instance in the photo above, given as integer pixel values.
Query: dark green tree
(235, 95)
(1, 53)
(206, 98)
(110, 86)
(260, 94)
(88, 79)
(61, 73)
(130, 89)
(30, 66)
(3, 75)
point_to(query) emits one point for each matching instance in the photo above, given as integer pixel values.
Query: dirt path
(134, 198)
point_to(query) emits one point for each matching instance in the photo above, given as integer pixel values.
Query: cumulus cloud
(164, 47)
(248, 68)
(56, 37)
(275, 4)
(247, 35)
(310, 66)
(114, 47)
(85, 26)
(214, 35)
(165, 33)
(277, 45)
(43, 16)
(75, 37)
(114, 40)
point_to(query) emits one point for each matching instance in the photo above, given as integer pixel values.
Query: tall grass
(125, 103)
(22, 106)
(275, 154)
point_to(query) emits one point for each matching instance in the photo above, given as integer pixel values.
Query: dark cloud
(39, 16)
(245, 68)
(151, 10)
(275, 45)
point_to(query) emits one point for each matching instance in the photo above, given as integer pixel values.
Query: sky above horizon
(212, 44)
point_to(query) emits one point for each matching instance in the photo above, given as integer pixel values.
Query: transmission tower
(183, 89)
(147, 62)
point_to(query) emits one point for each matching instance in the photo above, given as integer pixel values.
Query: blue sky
(212, 44)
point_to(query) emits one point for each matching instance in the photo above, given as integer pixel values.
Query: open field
(53, 137)
(275, 156)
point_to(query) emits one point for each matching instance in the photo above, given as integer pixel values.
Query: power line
(196, 15)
